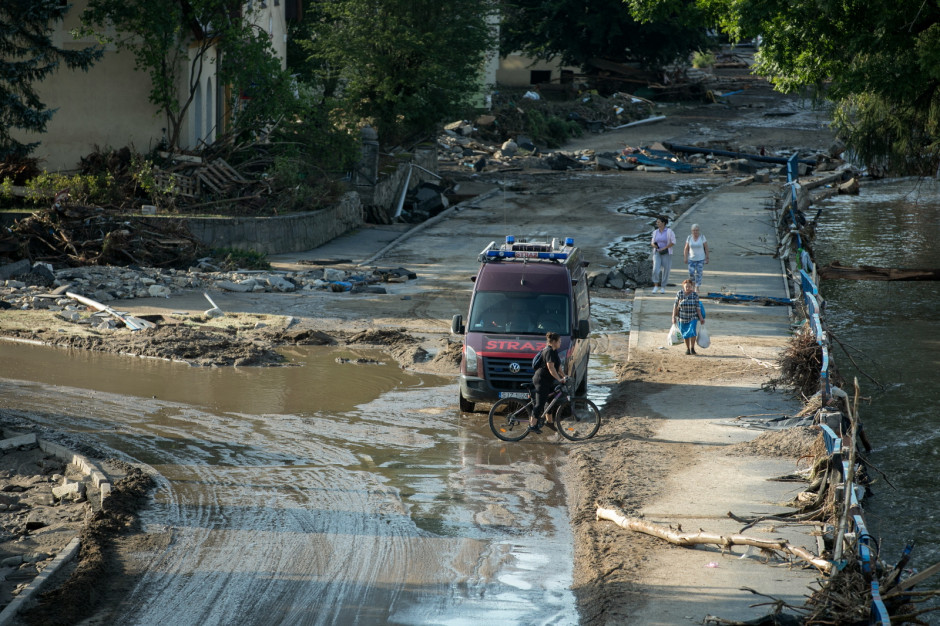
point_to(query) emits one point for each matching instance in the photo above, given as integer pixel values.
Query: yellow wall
(108, 107)
(515, 70)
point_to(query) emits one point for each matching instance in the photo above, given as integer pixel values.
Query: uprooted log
(700, 538)
(869, 272)
(79, 235)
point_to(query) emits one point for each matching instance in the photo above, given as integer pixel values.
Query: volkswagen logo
(514, 368)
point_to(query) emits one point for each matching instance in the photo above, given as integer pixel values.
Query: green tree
(27, 56)
(402, 65)
(877, 61)
(175, 41)
(577, 32)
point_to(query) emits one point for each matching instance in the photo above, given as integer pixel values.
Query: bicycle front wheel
(578, 419)
(509, 419)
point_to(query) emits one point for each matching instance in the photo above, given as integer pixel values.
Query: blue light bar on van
(520, 254)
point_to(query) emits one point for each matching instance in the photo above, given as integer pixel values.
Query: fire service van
(522, 291)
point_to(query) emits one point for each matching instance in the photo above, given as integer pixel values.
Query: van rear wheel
(465, 405)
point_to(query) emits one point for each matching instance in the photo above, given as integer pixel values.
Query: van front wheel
(465, 405)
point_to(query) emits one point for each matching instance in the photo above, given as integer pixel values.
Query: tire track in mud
(396, 511)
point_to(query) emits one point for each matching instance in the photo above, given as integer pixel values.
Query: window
(537, 77)
(521, 313)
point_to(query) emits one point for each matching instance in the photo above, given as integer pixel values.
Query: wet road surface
(326, 493)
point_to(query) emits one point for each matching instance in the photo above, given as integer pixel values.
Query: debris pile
(38, 286)
(200, 182)
(79, 235)
(462, 147)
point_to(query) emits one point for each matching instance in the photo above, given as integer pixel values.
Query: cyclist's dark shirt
(542, 377)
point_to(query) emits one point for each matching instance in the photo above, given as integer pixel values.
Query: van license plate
(513, 394)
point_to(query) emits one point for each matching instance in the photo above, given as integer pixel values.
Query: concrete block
(69, 490)
(15, 442)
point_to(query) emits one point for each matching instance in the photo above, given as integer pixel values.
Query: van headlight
(471, 355)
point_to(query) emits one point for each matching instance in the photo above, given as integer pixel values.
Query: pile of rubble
(68, 234)
(458, 147)
(38, 286)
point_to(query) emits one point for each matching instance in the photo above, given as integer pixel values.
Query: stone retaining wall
(269, 235)
(287, 233)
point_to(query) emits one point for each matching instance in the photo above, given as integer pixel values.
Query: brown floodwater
(321, 493)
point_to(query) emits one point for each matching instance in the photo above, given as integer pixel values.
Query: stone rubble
(40, 287)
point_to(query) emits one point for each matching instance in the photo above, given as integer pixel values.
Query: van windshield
(520, 313)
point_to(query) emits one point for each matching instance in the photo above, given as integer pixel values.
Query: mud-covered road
(287, 496)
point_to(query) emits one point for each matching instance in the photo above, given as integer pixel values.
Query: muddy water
(889, 329)
(317, 494)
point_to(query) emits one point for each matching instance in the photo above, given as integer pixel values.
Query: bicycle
(576, 419)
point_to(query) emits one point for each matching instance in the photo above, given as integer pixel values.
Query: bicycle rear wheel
(509, 419)
(578, 419)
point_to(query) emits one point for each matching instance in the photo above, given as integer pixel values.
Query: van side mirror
(584, 329)
(456, 325)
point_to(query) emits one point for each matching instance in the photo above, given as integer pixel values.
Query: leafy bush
(86, 189)
(229, 259)
(550, 130)
(702, 59)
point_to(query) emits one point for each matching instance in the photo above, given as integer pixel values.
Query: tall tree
(27, 56)
(878, 61)
(577, 32)
(403, 65)
(175, 41)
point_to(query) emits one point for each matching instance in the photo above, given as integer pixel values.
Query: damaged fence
(853, 547)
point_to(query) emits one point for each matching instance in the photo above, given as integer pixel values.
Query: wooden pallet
(184, 185)
(219, 176)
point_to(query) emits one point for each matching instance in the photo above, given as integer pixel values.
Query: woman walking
(696, 255)
(687, 313)
(662, 242)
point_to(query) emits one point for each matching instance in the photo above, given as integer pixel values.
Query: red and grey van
(522, 291)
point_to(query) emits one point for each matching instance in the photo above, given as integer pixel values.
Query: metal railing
(853, 529)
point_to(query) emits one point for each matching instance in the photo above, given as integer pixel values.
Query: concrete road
(685, 584)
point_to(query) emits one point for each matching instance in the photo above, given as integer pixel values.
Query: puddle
(318, 494)
(612, 315)
(651, 206)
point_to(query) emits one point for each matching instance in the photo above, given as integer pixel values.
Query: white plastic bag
(675, 337)
(703, 339)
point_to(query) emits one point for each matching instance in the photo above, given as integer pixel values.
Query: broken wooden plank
(207, 181)
(231, 171)
(130, 321)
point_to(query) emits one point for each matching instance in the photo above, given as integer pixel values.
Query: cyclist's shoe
(551, 425)
(535, 429)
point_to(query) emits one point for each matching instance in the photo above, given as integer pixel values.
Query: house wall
(108, 106)
(271, 17)
(515, 70)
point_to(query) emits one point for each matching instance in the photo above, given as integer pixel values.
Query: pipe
(754, 157)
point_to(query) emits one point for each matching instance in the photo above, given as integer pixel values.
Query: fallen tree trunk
(736, 155)
(725, 541)
(870, 272)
